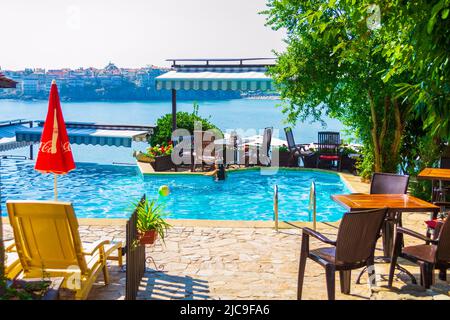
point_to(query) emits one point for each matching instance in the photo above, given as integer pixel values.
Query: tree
(334, 64)
(163, 131)
(421, 51)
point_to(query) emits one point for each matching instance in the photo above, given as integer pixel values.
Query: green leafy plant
(160, 150)
(376, 80)
(19, 290)
(282, 148)
(346, 150)
(150, 216)
(185, 120)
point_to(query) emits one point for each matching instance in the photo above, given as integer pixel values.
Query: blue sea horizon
(241, 114)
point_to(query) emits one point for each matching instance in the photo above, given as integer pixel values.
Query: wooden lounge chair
(12, 263)
(328, 148)
(48, 245)
(264, 151)
(258, 155)
(434, 254)
(205, 152)
(296, 150)
(354, 248)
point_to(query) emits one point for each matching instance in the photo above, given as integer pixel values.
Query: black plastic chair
(434, 254)
(389, 183)
(354, 248)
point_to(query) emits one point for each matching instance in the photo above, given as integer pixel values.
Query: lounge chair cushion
(328, 157)
(431, 223)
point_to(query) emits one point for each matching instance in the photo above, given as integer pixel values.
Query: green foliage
(376, 78)
(150, 216)
(185, 120)
(420, 150)
(160, 150)
(365, 164)
(333, 66)
(421, 51)
(282, 148)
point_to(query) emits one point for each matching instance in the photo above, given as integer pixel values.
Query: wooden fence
(135, 258)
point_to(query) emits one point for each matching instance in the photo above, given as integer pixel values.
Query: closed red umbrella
(55, 154)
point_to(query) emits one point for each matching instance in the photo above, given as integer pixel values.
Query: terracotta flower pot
(148, 237)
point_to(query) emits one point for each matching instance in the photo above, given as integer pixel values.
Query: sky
(131, 33)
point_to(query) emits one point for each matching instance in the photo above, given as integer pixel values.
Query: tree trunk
(376, 142)
(399, 127)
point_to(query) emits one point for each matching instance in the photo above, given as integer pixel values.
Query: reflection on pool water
(107, 191)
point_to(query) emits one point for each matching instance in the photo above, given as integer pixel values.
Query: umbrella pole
(56, 186)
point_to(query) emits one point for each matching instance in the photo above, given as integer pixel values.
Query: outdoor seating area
(202, 152)
(312, 165)
(239, 262)
(377, 221)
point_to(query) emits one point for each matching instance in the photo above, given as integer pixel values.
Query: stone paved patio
(244, 263)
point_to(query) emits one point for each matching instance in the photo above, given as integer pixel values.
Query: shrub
(185, 120)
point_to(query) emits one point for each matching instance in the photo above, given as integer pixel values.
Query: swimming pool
(108, 191)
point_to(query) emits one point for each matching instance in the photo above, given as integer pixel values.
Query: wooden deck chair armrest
(318, 236)
(415, 235)
(91, 248)
(10, 246)
(441, 204)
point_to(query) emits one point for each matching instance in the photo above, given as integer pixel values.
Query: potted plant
(158, 156)
(150, 221)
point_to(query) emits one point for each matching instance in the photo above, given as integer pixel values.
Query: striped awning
(216, 78)
(8, 138)
(6, 82)
(89, 136)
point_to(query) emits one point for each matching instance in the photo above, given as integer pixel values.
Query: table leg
(388, 234)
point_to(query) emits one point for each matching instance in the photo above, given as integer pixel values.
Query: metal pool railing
(312, 208)
(312, 204)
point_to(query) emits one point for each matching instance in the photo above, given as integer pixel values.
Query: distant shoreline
(149, 100)
(262, 98)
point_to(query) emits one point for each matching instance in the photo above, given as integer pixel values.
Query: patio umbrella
(258, 140)
(55, 154)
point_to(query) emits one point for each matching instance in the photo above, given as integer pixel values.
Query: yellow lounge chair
(12, 263)
(48, 245)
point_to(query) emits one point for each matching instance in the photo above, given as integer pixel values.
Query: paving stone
(248, 263)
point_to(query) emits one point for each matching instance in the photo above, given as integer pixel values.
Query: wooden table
(397, 203)
(435, 174)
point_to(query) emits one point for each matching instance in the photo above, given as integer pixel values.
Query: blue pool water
(108, 191)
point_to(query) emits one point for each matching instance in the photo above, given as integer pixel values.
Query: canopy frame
(238, 74)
